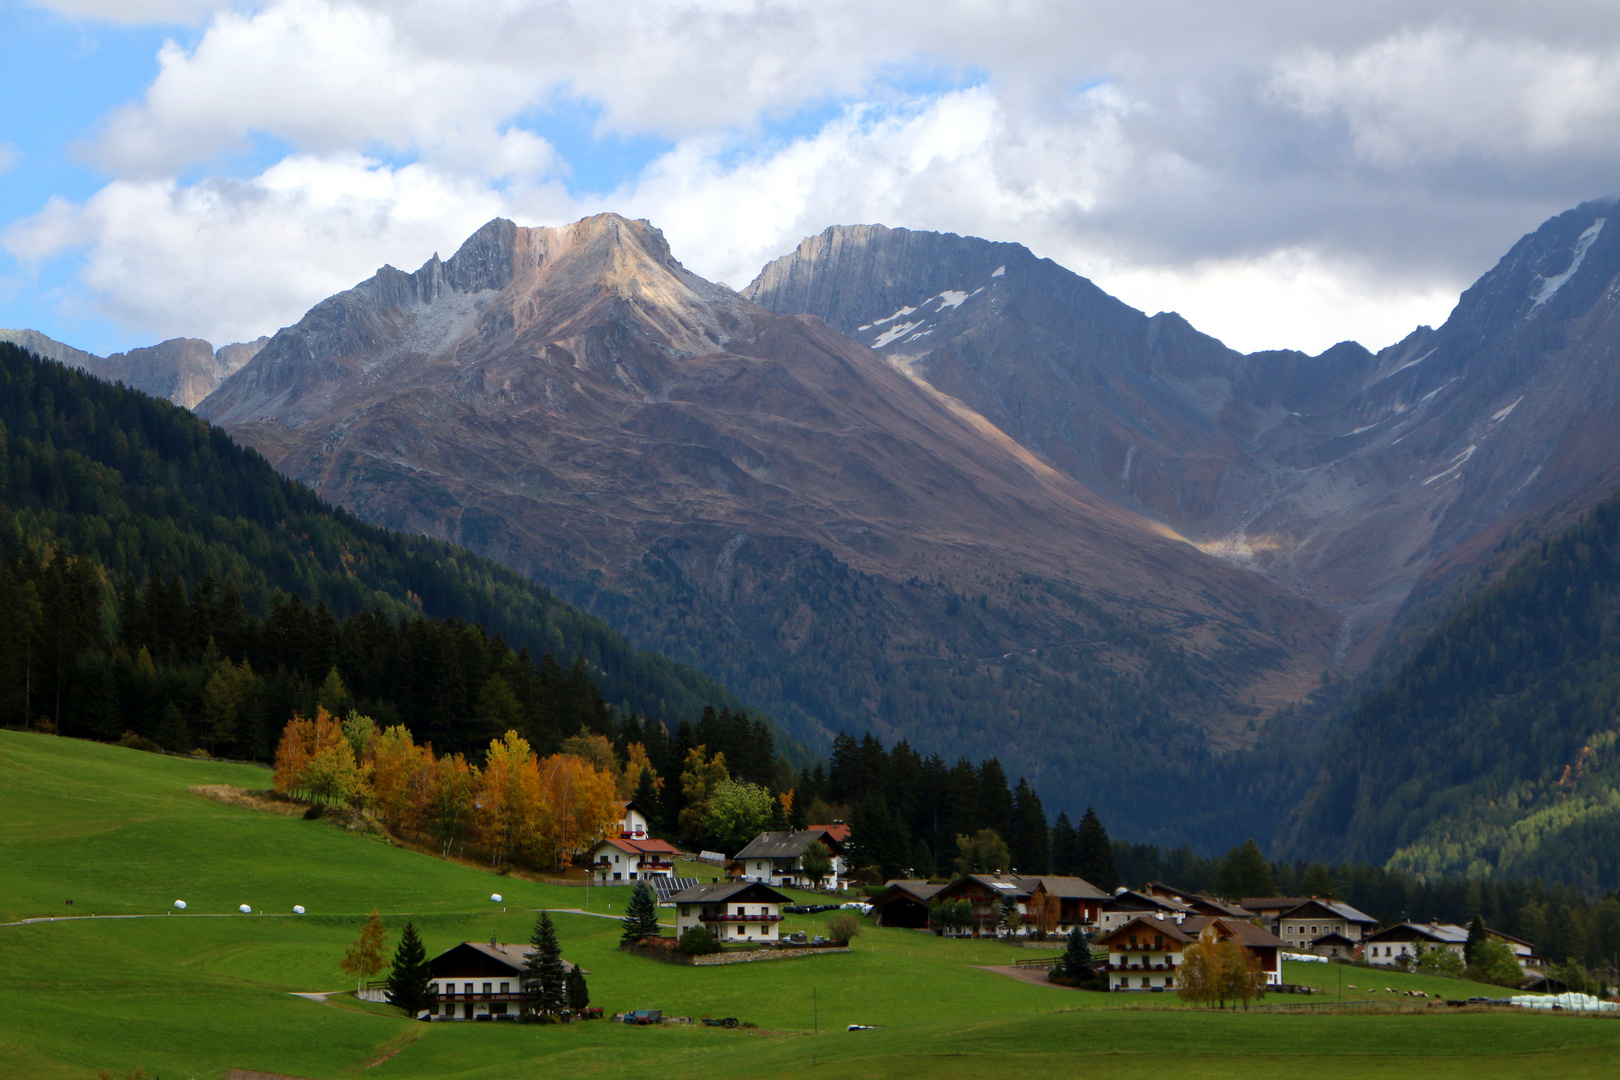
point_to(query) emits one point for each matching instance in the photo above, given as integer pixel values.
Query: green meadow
(190, 996)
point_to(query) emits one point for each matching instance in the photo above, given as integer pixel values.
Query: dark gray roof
(1335, 909)
(917, 890)
(719, 892)
(779, 845)
(1445, 933)
(1071, 887)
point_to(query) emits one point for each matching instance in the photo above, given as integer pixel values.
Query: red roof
(839, 832)
(646, 846)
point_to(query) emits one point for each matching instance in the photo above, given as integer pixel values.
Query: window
(489, 988)
(506, 988)
(469, 987)
(497, 1008)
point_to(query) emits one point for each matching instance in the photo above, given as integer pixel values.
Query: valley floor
(193, 995)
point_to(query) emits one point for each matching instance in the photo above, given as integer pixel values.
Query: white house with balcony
(736, 912)
(632, 821)
(777, 858)
(619, 860)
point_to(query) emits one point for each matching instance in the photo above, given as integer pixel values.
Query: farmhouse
(1268, 909)
(1146, 953)
(1055, 904)
(1199, 904)
(622, 858)
(1126, 904)
(776, 858)
(479, 981)
(1301, 927)
(904, 904)
(735, 912)
(1393, 942)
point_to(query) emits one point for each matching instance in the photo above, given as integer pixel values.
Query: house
(621, 859)
(632, 820)
(734, 911)
(1127, 904)
(1300, 927)
(904, 904)
(776, 858)
(1146, 952)
(1387, 946)
(1078, 902)
(1268, 909)
(479, 981)
(1071, 901)
(1198, 903)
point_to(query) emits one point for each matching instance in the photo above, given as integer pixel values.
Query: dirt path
(1022, 974)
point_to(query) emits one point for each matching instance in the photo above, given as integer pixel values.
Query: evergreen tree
(641, 917)
(1095, 853)
(922, 860)
(579, 996)
(1065, 848)
(1075, 963)
(1476, 937)
(1316, 882)
(877, 838)
(410, 983)
(1245, 872)
(646, 797)
(544, 981)
(1032, 838)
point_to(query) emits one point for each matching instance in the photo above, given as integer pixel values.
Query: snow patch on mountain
(1551, 285)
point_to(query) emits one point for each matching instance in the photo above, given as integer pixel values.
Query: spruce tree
(646, 797)
(410, 985)
(641, 918)
(544, 989)
(1096, 853)
(1476, 937)
(1065, 848)
(1075, 963)
(579, 995)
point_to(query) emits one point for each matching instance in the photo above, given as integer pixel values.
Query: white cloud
(136, 11)
(1281, 173)
(1439, 94)
(8, 157)
(227, 260)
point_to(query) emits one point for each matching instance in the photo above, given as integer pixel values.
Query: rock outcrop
(184, 370)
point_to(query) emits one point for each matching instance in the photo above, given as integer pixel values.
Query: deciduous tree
(365, 957)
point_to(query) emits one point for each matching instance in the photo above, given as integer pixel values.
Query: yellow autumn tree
(396, 761)
(315, 758)
(636, 762)
(581, 801)
(507, 816)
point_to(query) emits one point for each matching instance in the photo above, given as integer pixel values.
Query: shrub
(314, 811)
(698, 941)
(843, 926)
(139, 742)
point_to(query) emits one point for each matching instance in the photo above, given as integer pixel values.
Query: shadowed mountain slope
(758, 495)
(1360, 481)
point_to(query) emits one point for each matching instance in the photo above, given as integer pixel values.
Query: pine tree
(641, 917)
(1476, 936)
(1075, 963)
(646, 798)
(544, 981)
(1095, 852)
(1245, 872)
(1065, 848)
(1032, 839)
(579, 995)
(410, 985)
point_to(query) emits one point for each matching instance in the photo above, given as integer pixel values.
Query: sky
(1283, 174)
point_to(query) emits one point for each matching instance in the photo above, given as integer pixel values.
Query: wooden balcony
(739, 918)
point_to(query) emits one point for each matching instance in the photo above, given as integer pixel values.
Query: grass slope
(193, 995)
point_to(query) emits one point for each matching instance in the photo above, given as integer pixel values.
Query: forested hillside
(1493, 749)
(140, 543)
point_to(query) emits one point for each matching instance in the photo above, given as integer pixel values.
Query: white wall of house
(1389, 953)
(1132, 970)
(633, 823)
(1298, 933)
(731, 930)
(790, 873)
(453, 997)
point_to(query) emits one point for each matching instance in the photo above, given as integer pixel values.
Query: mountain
(146, 491)
(1494, 748)
(184, 370)
(759, 496)
(1363, 482)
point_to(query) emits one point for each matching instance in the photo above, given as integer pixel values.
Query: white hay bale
(180, 905)
(244, 909)
(494, 898)
(298, 909)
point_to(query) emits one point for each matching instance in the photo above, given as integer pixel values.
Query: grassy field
(192, 995)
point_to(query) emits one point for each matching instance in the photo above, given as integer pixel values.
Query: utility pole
(815, 1010)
